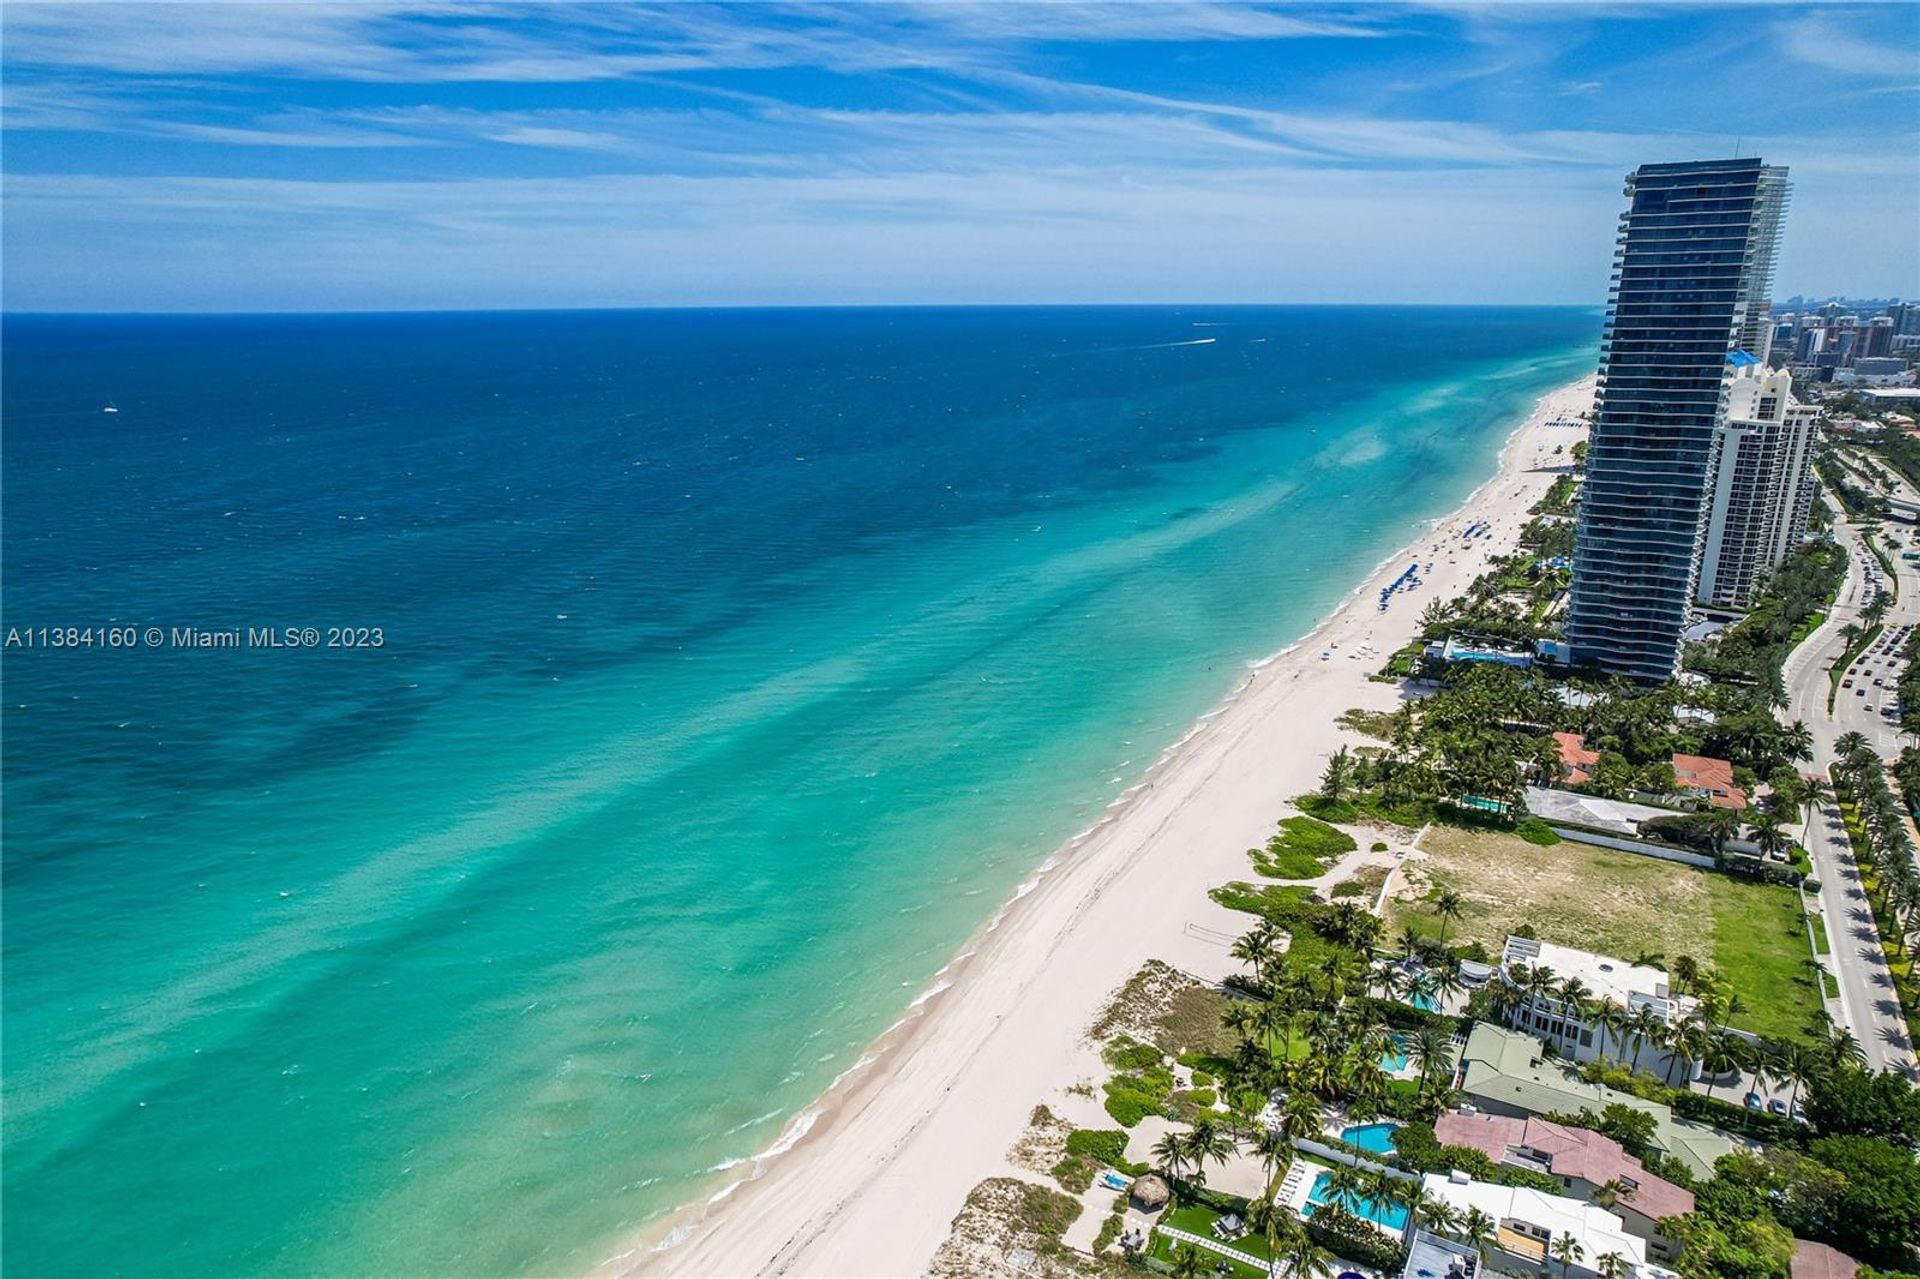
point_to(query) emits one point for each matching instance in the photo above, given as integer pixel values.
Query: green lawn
(1760, 945)
(1198, 1220)
(1820, 942)
(1619, 904)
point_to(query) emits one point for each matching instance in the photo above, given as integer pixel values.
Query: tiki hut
(1151, 1192)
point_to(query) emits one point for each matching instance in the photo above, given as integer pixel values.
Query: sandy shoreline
(868, 1179)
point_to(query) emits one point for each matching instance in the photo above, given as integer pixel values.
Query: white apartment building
(1762, 485)
(1575, 1033)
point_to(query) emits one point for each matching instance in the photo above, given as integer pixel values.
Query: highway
(1866, 1003)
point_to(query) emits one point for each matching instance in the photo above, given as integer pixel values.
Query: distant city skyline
(379, 156)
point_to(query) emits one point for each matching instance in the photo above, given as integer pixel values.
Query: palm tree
(1303, 1259)
(1186, 1262)
(1567, 1249)
(1766, 831)
(1842, 1049)
(1169, 1157)
(1686, 969)
(1207, 1144)
(1612, 1266)
(1258, 948)
(1430, 1050)
(1346, 1185)
(1271, 1221)
(1438, 1217)
(1448, 904)
(1275, 1151)
(1480, 1230)
(1645, 1025)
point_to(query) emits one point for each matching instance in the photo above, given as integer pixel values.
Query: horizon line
(42, 313)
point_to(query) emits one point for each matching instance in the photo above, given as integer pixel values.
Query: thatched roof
(1151, 1191)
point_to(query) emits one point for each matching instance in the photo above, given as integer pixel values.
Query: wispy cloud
(1821, 40)
(373, 153)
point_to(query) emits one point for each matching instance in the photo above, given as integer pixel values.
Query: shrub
(1126, 1053)
(1379, 845)
(1301, 849)
(1105, 1145)
(1328, 810)
(1203, 1097)
(1074, 1174)
(1345, 1235)
(1129, 1107)
(1535, 831)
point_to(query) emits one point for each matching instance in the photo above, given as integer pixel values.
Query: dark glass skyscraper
(1694, 262)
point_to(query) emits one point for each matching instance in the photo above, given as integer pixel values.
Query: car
(1846, 683)
(1753, 1101)
(1777, 1107)
(1859, 692)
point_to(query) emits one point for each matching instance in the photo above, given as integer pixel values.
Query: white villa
(1528, 1224)
(1578, 1035)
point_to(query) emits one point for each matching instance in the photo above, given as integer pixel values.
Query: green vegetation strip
(1838, 671)
(1886, 562)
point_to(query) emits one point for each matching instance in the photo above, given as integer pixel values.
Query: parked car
(1753, 1101)
(1777, 1107)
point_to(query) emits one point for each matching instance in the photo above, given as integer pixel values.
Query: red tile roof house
(1710, 779)
(1698, 775)
(1583, 1160)
(1576, 761)
(1818, 1261)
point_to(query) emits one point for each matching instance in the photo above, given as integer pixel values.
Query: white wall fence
(1626, 845)
(1339, 1156)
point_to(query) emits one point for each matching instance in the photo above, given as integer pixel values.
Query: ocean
(704, 679)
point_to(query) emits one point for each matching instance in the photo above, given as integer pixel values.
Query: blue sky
(264, 156)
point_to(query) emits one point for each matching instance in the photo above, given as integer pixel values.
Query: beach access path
(873, 1187)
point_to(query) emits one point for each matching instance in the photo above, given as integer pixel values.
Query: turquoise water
(1391, 1215)
(1375, 1137)
(736, 667)
(1396, 1059)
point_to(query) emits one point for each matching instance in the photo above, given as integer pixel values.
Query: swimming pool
(1377, 1138)
(1394, 1059)
(1390, 1215)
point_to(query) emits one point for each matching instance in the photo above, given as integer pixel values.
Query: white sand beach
(872, 1187)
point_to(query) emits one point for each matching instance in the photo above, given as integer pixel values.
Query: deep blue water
(736, 666)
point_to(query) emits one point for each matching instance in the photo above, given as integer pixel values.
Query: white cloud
(1820, 40)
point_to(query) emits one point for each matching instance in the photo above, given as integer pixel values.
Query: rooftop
(1603, 975)
(1576, 761)
(1818, 1261)
(1711, 778)
(1566, 1152)
(1599, 1231)
(1618, 815)
(1508, 1068)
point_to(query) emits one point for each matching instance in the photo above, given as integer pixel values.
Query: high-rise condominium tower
(1694, 263)
(1762, 485)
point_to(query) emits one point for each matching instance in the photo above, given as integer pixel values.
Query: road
(1867, 1005)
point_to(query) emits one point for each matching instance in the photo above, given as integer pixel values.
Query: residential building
(1695, 776)
(1587, 1163)
(1877, 338)
(1704, 777)
(1527, 1224)
(1506, 1072)
(1820, 1261)
(1580, 1033)
(1762, 489)
(1694, 265)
